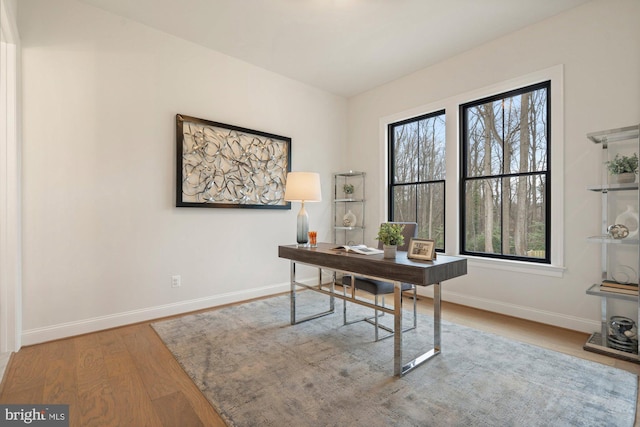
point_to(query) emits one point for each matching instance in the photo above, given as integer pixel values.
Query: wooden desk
(398, 270)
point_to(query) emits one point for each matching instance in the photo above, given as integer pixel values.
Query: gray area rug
(258, 370)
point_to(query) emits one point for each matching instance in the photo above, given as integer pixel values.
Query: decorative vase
(630, 219)
(302, 230)
(626, 178)
(389, 251)
(349, 219)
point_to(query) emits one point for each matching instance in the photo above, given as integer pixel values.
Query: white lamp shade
(303, 187)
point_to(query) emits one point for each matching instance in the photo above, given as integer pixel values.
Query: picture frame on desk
(422, 249)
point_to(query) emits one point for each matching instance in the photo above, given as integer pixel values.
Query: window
(505, 197)
(417, 174)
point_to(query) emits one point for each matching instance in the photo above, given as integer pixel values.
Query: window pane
(525, 216)
(431, 164)
(431, 212)
(483, 148)
(526, 136)
(404, 203)
(517, 123)
(482, 216)
(419, 150)
(405, 152)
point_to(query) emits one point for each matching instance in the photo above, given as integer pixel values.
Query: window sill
(516, 266)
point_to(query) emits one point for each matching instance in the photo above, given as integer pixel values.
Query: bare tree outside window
(417, 174)
(505, 175)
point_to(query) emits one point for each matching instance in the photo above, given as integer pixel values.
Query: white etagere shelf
(344, 203)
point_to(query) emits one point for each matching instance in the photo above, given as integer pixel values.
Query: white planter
(626, 178)
(389, 251)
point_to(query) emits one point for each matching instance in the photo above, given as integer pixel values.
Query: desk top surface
(401, 268)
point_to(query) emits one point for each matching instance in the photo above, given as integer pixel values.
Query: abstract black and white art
(225, 166)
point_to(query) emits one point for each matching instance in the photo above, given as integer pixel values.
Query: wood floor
(127, 377)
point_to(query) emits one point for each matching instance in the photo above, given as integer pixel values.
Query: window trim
(464, 178)
(555, 74)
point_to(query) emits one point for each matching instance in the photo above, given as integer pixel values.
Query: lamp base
(302, 236)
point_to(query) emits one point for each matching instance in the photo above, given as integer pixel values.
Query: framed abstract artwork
(225, 166)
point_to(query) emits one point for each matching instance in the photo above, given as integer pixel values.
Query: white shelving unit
(343, 203)
(625, 140)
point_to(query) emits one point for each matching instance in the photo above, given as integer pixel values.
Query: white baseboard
(65, 330)
(541, 316)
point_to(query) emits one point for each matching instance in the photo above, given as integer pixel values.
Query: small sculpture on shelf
(348, 189)
(349, 219)
(623, 334)
(618, 231)
(630, 219)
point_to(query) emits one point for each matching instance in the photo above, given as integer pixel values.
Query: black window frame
(391, 171)
(464, 178)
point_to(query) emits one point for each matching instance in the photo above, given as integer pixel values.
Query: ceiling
(343, 46)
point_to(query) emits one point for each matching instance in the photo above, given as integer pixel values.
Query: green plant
(348, 188)
(391, 234)
(623, 164)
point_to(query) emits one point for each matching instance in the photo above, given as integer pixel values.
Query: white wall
(598, 45)
(102, 237)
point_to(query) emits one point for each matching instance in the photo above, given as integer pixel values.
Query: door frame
(10, 193)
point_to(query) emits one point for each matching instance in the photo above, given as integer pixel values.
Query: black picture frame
(225, 166)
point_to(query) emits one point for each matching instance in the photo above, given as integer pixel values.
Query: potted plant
(624, 168)
(391, 236)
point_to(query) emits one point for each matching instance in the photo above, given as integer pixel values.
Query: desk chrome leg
(397, 329)
(344, 300)
(332, 301)
(293, 297)
(437, 326)
(292, 279)
(400, 370)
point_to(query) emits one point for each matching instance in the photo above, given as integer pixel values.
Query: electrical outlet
(175, 281)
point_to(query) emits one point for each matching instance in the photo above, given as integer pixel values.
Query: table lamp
(303, 187)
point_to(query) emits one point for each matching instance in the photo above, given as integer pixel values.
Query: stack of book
(620, 288)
